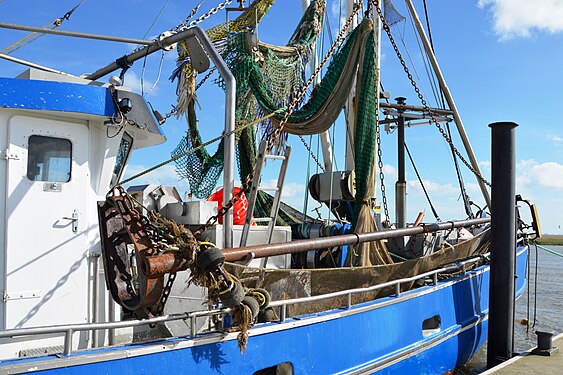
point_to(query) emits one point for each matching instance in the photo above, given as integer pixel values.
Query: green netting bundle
(370, 253)
(186, 74)
(284, 71)
(201, 169)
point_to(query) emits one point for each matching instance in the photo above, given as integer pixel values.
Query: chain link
(275, 135)
(203, 17)
(421, 97)
(313, 156)
(381, 175)
(165, 294)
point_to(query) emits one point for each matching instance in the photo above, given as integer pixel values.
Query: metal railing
(395, 283)
(70, 329)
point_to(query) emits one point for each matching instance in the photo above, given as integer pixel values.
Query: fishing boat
(100, 275)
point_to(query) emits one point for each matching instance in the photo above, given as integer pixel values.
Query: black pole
(503, 243)
(401, 185)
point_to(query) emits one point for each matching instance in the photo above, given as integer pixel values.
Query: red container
(239, 209)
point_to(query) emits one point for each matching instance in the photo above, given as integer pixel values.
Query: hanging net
(392, 16)
(283, 69)
(185, 72)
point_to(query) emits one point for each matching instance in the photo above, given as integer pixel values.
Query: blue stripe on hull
(387, 338)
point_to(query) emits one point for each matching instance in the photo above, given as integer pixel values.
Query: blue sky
(501, 59)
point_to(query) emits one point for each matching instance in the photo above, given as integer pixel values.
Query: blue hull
(383, 336)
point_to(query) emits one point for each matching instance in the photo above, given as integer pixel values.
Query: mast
(449, 99)
(401, 184)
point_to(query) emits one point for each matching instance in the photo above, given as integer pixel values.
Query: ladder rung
(268, 188)
(278, 157)
(261, 219)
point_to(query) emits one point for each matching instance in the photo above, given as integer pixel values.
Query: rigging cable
(464, 195)
(36, 35)
(422, 185)
(156, 18)
(426, 63)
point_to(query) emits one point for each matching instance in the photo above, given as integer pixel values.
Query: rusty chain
(275, 135)
(421, 97)
(271, 141)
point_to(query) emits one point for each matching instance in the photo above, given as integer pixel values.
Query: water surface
(548, 296)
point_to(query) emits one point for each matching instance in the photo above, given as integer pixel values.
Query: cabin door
(46, 215)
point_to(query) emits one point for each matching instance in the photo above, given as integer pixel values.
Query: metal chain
(183, 26)
(211, 71)
(246, 185)
(313, 156)
(422, 100)
(381, 175)
(189, 17)
(203, 17)
(275, 135)
(165, 294)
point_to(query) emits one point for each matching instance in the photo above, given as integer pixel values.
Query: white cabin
(64, 142)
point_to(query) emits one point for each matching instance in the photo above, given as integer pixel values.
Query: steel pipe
(153, 47)
(77, 34)
(260, 251)
(32, 65)
(401, 184)
(415, 108)
(230, 92)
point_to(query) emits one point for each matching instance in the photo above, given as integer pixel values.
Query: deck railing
(70, 329)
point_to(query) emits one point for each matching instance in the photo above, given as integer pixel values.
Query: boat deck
(532, 364)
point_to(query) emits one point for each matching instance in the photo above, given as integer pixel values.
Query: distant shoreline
(551, 239)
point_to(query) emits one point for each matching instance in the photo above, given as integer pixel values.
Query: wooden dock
(527, 363)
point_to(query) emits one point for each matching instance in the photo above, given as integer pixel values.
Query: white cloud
(165, 175)
(557, 139)
(290, 190)
(486, 164)
(547, 175)
(133, 81)
(335, 11)
(432, 187)
(520, 18)
(390, 172)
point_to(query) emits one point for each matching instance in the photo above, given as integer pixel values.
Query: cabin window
(49, 159)
(121, 158)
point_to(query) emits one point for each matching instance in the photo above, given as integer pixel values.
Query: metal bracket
(10, 296)
(7, 155)
(198, 57)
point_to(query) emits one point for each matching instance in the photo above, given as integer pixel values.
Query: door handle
(74, 219)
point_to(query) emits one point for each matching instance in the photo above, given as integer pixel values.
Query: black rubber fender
(262, 296)
(209, 259)
(232, 296)
(253, 304)
(267, 315)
